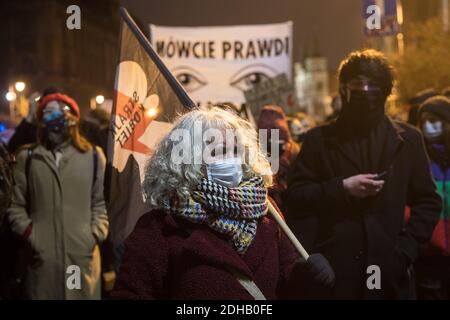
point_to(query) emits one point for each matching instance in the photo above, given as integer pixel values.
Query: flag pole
(173, 82)
(288, 231)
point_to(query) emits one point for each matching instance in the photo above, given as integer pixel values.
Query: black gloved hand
(311, 279)
(319, 269)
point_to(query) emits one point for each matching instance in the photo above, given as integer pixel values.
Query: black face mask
(361, 110)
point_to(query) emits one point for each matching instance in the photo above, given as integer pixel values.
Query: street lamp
(10, 96)
(20, 86)
(99, 99)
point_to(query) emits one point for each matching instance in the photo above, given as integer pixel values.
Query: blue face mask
(226, 172)
(54, 121)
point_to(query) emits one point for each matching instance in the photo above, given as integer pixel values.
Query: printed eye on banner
(189, 78)
(252, 75)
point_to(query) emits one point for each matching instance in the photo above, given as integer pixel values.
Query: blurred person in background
(94, 127)
(273, 117)
(6, 180)
(355, 176)
(26, 131)
(433, 266)
(6, 245)
(299, 124)
(416, 101)
(58, 206)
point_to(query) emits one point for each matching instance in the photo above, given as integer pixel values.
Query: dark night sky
(335, 27)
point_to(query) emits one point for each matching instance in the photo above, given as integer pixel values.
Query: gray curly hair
(166, 177)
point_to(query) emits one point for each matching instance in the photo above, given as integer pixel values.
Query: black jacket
(374, 231)
(26, 133)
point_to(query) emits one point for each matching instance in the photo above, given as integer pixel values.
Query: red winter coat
(170, 258)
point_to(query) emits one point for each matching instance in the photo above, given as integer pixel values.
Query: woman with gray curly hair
(207, 235)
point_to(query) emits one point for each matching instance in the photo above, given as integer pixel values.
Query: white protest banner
(217, 64)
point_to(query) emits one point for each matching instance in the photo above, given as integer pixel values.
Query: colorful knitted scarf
(230, 211)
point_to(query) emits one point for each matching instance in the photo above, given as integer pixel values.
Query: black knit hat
(422, 96)
(438, 106)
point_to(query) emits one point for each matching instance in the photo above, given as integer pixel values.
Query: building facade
(39, 49)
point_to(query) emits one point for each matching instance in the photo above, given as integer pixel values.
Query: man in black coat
(352, 181)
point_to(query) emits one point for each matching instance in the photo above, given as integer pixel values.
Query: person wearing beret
(58, 207)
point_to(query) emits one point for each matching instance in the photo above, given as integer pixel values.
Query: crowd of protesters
(359, 190)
